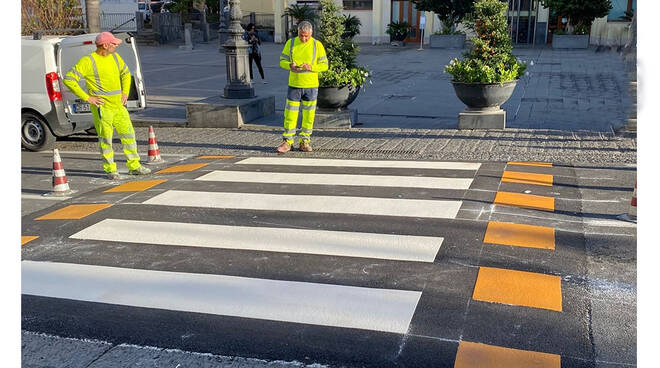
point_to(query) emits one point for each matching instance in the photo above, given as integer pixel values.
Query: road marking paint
(536, 290)
(361, 163)
(181, 168)
(334, 243)
(28, 238)
(338, 179)
(474, 355)
(609, 223)
(525, 201)
(310, 203)
(36, 196)
(520, 235)
(298, 302)
(135, 186)
(219, 157)
(522, 163)
(74, 211)
(526, 178)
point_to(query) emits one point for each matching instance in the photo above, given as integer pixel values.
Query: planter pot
(570, 41)
(448, 41)
(478, 96)
(336, 97)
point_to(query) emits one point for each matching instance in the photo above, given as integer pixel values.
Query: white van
(48, 108)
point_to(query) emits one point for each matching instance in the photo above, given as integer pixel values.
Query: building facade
(530, 23)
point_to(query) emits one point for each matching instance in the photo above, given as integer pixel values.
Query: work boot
(284, 147)
(140, 171)
(113, 175)
(305, 147)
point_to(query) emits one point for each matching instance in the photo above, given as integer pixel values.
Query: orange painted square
(527, 178)
(135, 186)
(182, 168)
(521, 163)
(525, 201)
(74, 211)
(220, 157)
(473, 355)
(528, 289)
(27, 239)
(519, 235)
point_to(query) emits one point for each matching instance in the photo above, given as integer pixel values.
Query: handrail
(119, 26)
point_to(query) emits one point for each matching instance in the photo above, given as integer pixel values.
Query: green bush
(580, 13)
(490, 60)
(342, 52)
(398, 30)
(450, 12)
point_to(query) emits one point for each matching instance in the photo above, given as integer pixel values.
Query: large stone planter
(447, 41)
(483, 104)
(570, 41)
(336, 97)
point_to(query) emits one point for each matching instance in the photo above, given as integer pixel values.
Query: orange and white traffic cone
(154, 153)
(631, 216)
(60, 184)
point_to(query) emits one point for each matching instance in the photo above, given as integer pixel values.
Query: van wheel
(35, 134)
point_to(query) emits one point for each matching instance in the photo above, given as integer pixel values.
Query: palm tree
(298, 13)
(93, 17)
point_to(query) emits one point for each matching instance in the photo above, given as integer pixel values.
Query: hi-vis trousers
(294, 98)
(105, 119)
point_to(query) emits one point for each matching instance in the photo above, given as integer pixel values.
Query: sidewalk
(569, 90)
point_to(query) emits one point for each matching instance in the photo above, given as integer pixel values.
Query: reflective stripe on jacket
(311, 52)
(106, 77)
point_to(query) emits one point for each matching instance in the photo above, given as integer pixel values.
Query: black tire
(35, 133)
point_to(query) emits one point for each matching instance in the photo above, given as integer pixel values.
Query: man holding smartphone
(304, 57)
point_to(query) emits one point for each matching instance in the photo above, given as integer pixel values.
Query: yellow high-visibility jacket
(311, 52)
(106, 77)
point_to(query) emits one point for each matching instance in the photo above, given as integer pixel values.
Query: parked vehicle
(48, 108)
(146, 10)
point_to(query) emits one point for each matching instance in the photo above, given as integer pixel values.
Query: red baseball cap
(107, 37)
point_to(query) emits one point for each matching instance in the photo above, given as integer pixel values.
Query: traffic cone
(631, 216)
(154, 153)
(60, 184)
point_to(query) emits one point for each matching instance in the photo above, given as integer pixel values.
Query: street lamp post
(236, 53)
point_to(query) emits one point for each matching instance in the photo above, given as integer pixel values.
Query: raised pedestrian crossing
(348, 292)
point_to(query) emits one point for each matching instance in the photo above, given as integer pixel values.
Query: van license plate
(81, 108)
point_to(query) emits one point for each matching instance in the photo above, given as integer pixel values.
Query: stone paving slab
(569, 90)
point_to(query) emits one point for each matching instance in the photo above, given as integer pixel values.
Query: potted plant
(352, 26)
(450, 13)
(487, 75)
(398, 32)
(580, 14)
(341, 83)
(298, 13)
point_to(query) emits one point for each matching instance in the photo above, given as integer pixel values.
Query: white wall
(366, 29)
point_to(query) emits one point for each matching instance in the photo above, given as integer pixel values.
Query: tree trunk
(93, 16)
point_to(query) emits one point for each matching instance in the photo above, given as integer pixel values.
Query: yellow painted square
(27, 239)
(527, 178)
(519, 235)
(528, 289)
(135, 186)
(74, 211)
(219, 157)
(473, 355)
(525, 201)
(521, 163)
(182, 168)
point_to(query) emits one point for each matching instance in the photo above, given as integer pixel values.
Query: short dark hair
(250, 26)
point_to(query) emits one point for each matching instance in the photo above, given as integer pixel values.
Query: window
(358, 4)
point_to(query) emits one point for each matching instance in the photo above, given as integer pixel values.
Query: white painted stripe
(338, 179)
(361, 163)
(298, 302)
(310, 203)
(334, 243)
(609, 223)
(37, 196)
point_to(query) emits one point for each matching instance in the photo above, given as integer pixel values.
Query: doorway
(405, 10)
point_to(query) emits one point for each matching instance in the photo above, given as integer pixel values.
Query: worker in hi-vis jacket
(108, 84)
(304, 57)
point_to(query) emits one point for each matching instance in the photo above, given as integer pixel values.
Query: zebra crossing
(386, 267)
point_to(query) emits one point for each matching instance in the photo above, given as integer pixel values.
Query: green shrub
(342, 52)
(450, 12)
(490, 60)
(580, 13)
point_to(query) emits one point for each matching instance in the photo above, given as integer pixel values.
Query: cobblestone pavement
(482, 145)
